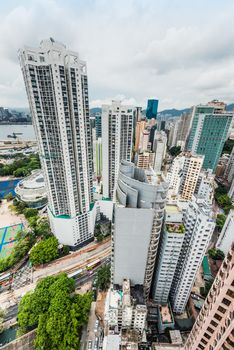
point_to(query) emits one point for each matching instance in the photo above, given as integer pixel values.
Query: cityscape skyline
(116, 223)
(146, 59)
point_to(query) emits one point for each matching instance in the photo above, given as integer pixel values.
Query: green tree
(20, 172)
(29, 212)
(216, 254)
(175, 151)
(103, 277)
(42, 227)
(44, 251)
(99, 238)
(205, 290)
(9, 197)
(56, 311)
(220, 221)
(228, 145)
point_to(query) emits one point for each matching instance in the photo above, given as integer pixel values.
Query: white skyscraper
(57, 89)
(171, 241)
(117, 139)
(159, 147)
(199, 225)
(226, 237)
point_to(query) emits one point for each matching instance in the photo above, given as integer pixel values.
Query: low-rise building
(32, 190)
(125, 310)
(165, 318)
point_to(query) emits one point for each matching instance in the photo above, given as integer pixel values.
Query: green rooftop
(175, 228)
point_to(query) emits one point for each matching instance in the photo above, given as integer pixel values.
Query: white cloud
(134, 49)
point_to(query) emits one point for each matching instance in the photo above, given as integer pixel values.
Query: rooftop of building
(172, 209)
(130, 339)
(215, 107)
(112, 341)
(136, 294)
(173, 227)
(115, 297)
(166, 314)
(174, 213)
(175, 336)
(33, 181)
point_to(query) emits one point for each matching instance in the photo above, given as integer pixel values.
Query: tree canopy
(228, 145)
(223, 200)
(103, 277)
(216, 254)
(175, 151)
(56, 311)
(44, 251)
(220, 221)
(21, 167)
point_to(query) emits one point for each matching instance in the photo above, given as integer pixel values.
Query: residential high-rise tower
(209, 131)
(199, 225)
(117, 141)
(57, 88)
(138, 216)
(214, 326)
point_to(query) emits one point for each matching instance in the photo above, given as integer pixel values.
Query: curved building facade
(32, 190)
(139, 211)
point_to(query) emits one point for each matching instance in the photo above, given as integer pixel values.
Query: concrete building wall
(229, 171)
(56, 84)
(214, 326)
(133, 228)
(117, 140)
(169, 252)
(199, 225)
(226, 237)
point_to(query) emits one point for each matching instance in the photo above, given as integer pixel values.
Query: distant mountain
(174, 112)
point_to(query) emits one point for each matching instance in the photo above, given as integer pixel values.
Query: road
(67, 264)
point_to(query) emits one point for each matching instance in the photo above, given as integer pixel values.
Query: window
(230, 293)
(219, 318)
(221, 309)
(210, 330)
(213, 323)
(203, 341)
(226, 301)
(207, 336)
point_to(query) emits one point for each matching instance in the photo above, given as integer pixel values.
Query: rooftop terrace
(175, 228)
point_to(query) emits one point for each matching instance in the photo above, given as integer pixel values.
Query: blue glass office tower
(152, 109)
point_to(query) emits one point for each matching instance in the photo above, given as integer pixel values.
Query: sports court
(7, 239)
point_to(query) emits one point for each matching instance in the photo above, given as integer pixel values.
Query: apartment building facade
(138, 217)
(214, 326)
(199, 223)
(57, 88)
(209, 131)
(117, 142)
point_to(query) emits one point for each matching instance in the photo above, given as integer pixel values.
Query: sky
(178, 51)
